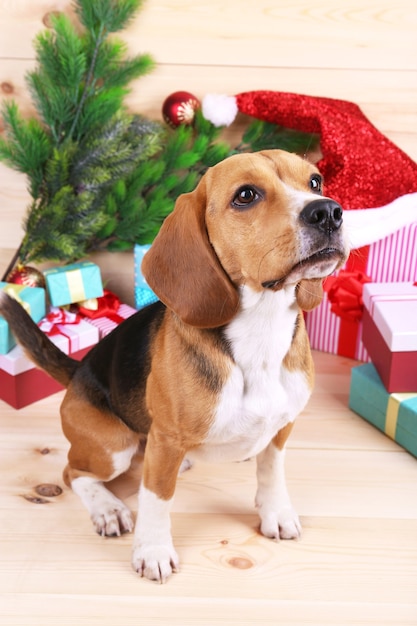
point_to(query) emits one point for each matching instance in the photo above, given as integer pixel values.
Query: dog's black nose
(324, 214)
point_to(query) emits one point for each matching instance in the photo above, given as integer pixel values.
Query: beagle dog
(219, 368)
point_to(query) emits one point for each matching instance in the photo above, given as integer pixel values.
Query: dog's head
(254, 219)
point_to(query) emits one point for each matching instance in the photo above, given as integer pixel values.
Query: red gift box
(336, 325)
(30, 386)
(21, 383)
(390, 333)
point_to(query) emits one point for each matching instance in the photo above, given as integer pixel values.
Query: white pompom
(219, 109)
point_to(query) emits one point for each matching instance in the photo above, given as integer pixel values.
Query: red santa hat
(362, 168)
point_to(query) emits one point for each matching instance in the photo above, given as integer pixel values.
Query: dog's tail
(37, 346)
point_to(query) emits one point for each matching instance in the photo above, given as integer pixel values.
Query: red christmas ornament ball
(26, 275)
(179, 108)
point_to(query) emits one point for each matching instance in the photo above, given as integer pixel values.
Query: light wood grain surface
(356, 562)
(355, 490)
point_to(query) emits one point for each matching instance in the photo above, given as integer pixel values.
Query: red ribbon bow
(107, 306)
(56, 316)
(345, 294)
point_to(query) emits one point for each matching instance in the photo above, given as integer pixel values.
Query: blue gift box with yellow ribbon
(32, 299)
(395, 414)
(73, 283)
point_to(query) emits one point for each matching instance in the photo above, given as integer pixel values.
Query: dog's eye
(316, 183)
(245, 196)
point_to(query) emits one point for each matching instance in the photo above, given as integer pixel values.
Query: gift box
(21, 383)
(108, 314)
(33, 301)
(336, 325)
(143, 293)
(389, 333)
(394, 414)
(73, 283)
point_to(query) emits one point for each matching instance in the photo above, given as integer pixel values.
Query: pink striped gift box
(393, 259)
(106, 324)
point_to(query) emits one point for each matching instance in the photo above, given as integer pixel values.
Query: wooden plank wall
(359, 50)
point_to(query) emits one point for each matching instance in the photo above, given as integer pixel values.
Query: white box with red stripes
(335, 326)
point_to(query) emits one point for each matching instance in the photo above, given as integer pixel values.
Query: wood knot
(48, 490)
(35, 499)
(7, 87)
(240, 562)
(48, 17)
(43, 491)
(44, 451)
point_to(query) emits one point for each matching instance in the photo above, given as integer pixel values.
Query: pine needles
(83, 141)
(150, 192)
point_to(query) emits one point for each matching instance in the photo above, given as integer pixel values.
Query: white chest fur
(260, 396)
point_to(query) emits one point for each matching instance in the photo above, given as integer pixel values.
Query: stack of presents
(374, 320)
(73, 310)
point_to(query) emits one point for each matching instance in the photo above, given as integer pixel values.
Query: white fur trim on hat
(219, 109)
(365, 226)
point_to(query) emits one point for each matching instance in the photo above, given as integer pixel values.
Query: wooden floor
(356, 563)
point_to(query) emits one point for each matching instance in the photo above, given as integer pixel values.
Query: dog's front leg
(154, 556)
(278, 518)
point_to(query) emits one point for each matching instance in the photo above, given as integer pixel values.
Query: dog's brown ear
(309, 293)
(183, 270)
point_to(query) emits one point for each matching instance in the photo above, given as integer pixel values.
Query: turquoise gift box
(395, 414)
(143, 293)
(73, 283)
(32, 299)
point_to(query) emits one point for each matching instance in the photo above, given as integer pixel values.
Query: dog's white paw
(113, 521)
(110, 516)
(156, 562)
(283, 524)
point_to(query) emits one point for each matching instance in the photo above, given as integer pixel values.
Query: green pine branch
(27, 146)
(262, 135)
(139, 206)
(113, 15)
(82, 140)
(73, 207)
(150, 191)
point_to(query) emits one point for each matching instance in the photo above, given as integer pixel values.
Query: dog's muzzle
(324, 217)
